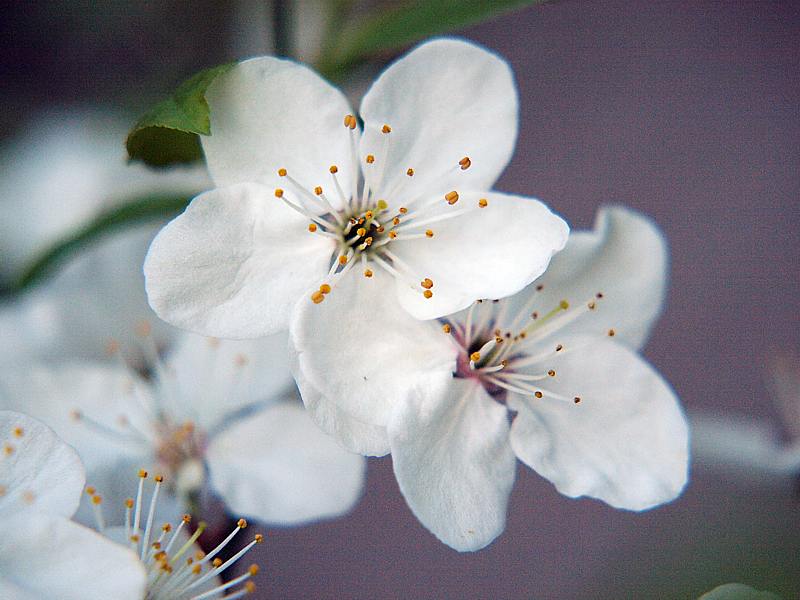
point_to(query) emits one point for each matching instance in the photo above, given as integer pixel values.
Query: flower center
(513, 355)
(361, 221)
(176, 568)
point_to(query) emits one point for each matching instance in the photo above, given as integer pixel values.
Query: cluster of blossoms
(44, 554)
(425, 317)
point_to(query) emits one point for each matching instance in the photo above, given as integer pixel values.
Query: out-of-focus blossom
(757, 450)
(43, 554)
(737, 591)
(67, 169)
(549, 376)
(216, 409)
(306, 204)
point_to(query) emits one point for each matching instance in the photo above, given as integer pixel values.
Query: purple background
(688, 111)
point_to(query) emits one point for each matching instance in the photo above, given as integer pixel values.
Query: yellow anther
(368, 214)
(134, 538)
(253, 570)
(196, 569)
(410, 172)
(483, 203)
(368, 241)
(318, 190)
(278, 193)
(90, 490)
(18, 432)
(563, 305)
(403, 210)
(259, 538)
(159, 478)
(386, 129)
(249, 587)
(166, 527)
(559, 348)
(382, 205)
(360, 232)
(381, 229)
(426, 283)
(282, 172)
(8, 449)
(428, 294)
(368, 273)
(611, 333)
(475, 356)
(465, 163)
(342, 260)
(447, 328)
(96, 499)
(591, 305)
(538, 394)
(142, 473)
(333, 169)
(216, 563)
(393, 234)
(396, 221)
(241, 523)
(312, 227)
(186, 518)
(199, 555)
(577, 399)
(325, 288)
(429, 233)
(129, 502)
(317, 297)
(370, 159)
(350, 121)
(451, 197)
(551, 373)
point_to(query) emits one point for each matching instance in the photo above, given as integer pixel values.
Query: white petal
(446, 100)
(354, 435)
(52, 557)
(749, 448)
(268, 114)
(453, 462)
(278, 467)
(489, 252)
(233, 264)
(361, 351)
(216, 378)
(37, 469)
(625, 443)
(626, 258)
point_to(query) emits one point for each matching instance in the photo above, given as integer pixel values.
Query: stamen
(465, 163)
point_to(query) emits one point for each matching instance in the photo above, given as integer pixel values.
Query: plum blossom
(756, 450)
(549, 376)
(43, 554)
(306, 201)
(214, 411)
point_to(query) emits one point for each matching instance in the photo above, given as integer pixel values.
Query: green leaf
(168, 133)
(405, 24)
(138, 211)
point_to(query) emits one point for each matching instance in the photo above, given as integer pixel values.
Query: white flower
(67, 169)
(216, 408)
(754, 450)
(44, 555)
(536, 376)
(306, 203)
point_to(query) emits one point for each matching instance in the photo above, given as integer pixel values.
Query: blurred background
(686, 110)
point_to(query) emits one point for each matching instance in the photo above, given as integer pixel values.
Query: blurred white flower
(757, 450)
(737, 591)
(221, 409)
(67, 169)
(42, 553)
(306, 203)
(536, 376)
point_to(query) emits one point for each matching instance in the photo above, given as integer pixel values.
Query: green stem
(146, 209)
